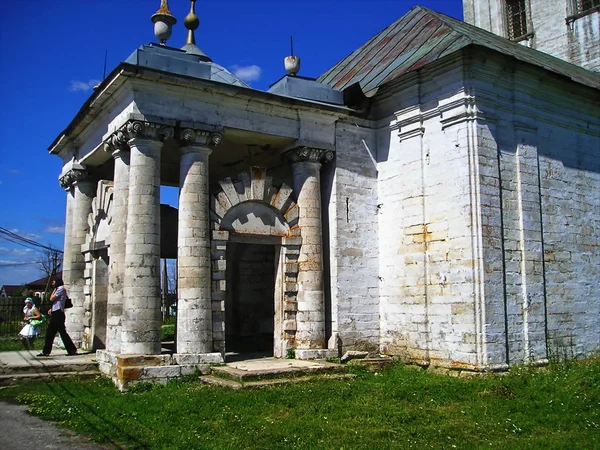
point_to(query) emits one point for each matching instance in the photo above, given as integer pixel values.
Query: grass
(12, 343)
(557, 407)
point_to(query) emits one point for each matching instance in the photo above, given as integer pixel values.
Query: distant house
(10, 290)
(37, 287)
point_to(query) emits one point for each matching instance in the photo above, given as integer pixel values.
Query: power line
(26, 242)
(14, 264)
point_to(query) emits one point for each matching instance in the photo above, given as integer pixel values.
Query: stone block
(198, 359)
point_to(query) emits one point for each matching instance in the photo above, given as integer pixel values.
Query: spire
(163, 22)
(192, 22)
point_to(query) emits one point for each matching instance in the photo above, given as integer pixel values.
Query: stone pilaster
(141, 315)
(117, 146)
(194, 309)
(310, 331)
(80, 192)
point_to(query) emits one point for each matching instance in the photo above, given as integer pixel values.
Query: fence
(11, 316)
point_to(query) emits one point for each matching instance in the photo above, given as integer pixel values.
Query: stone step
(241, 375)
(233, 384)
(17, 378)
(374, 364)
(48, 367)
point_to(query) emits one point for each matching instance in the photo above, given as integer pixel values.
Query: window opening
(584, 5)
(516, 17)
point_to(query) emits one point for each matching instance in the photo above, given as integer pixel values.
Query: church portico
(405, 208)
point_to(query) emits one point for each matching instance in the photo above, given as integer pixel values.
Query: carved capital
(202, 138)
(72, 177)
(118, 142)
(136, 129)
(304, 153)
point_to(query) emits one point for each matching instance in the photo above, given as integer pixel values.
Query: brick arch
(247, 196)
(253, 186)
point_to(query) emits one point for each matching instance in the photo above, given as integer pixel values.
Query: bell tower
(567, 29)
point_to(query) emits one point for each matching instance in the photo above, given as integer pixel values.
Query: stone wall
(488, 215)
(547, 176)
(429, 265)
(351, 203)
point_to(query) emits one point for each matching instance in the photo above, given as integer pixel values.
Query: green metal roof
(422, 36)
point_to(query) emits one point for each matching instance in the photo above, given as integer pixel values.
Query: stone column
(194, 309)
(310, 318)
(79, 206)
(141, 288)
(117, 146)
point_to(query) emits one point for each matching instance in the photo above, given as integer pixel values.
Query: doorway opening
(250, 301)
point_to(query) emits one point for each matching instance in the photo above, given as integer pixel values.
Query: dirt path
(20, 431)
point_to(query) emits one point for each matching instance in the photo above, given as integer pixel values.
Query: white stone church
(435, 196)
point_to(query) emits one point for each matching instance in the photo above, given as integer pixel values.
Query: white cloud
(247, 73)
(82, 86)
(57, 229)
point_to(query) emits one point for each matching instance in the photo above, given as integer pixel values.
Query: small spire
(163, 22)
(192, 22)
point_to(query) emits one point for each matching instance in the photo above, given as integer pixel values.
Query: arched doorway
(255, 248)
(250, 303)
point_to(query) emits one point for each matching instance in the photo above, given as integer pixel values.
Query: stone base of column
(319, 353)
(186, 359)
(126, 370)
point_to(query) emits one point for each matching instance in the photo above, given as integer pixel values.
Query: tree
(51, 262)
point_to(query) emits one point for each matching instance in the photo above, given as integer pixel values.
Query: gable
(421, 37)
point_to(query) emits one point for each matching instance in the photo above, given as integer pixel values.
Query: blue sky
(52, 54)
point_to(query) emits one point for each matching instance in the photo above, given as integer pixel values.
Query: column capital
(118, 141)
(75, 174)
(199, 138)
(304, 153)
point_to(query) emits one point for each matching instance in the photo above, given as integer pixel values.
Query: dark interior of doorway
(250, 304)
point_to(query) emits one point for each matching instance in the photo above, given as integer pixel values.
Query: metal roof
(422, 36)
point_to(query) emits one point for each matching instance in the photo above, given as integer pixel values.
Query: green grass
(557, 407)
(12, 344)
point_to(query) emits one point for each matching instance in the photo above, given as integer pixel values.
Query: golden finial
(192, 22)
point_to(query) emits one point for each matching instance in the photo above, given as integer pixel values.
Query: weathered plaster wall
(545, 138)
(352, 212)
(427, 240)
(489, 174)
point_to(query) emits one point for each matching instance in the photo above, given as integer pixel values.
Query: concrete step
(271, 373)
(233, 384)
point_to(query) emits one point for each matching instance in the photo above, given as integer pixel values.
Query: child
(31, 330)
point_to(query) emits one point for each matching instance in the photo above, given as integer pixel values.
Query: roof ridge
(385, 57)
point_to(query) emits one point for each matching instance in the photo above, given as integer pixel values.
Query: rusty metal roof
(422, 36)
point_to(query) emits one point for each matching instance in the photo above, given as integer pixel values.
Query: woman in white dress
(31, 330)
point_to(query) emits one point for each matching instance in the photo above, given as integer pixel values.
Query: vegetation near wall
(555, 407)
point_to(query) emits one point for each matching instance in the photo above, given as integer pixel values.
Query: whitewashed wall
(489, 209)
(352, 211)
